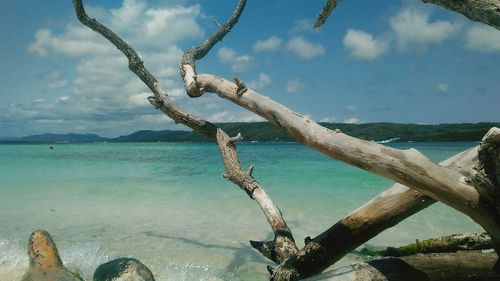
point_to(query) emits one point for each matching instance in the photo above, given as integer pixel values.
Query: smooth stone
(44, 261)
(123, 269)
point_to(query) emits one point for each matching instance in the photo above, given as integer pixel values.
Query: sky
(372, 61)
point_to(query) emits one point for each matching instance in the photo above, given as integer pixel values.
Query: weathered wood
(44, 261)
(191, 55)
(325, 13)
(485, 11)
(283, 244)
(461, 266)
(160, 100)
(382, 212)
(445, 244)
(408, 167)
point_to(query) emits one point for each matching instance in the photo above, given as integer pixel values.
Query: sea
(168, 205)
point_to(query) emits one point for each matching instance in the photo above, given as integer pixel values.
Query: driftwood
(408, 167)
(283, 244)
(475, 193)
(382, 212)
(446, 244)
(462, 266)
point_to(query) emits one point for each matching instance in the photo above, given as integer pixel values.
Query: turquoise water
(167, 204)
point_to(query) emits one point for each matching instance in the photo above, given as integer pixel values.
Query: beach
(167, 204)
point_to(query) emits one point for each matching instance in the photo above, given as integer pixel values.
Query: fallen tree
(470, 184)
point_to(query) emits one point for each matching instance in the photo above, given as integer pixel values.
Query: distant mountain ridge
(264, 131)
(62, 138)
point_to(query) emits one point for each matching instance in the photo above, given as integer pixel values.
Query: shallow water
(167, 204)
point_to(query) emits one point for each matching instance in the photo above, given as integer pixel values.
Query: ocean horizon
(167, 204)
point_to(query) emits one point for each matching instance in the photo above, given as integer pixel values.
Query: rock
(123, 269)
(44, 261)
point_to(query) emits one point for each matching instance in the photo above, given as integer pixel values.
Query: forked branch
(190, 56)
(283, 244)
(382, 212)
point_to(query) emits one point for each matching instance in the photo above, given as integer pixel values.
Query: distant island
(266, 132)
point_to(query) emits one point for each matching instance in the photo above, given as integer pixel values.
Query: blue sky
(373, 61)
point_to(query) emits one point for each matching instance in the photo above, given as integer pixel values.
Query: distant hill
(61, 138)
(264, 131)
(151, 136)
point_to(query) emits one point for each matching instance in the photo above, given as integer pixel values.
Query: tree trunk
(446, 244)
(462, 266)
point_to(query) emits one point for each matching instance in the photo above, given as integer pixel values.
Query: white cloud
(483, 38)
(302, 25)
(130, 12)
(105, 95)
(363, 46)
(140, 99)
(62, 99)
(412, 26)
(352, 120)
(142, 27)
(239, 64)
(295, 85)
(56, 85)
(175, 22)
(304, 49)
(242, 64)
(442, 87)
(351, 108)
(75, 41)
(263, 81)
(328, 119)
(272, 43)
(226, 55)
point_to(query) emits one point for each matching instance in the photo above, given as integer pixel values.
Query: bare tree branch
(188, 66)
(283, 244)
(325, 13)
(485, 11)
(161, 100)
(382, 212)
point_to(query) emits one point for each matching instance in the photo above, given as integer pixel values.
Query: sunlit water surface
(167, 204)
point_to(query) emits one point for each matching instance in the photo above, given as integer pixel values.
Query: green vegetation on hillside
(264, 131)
